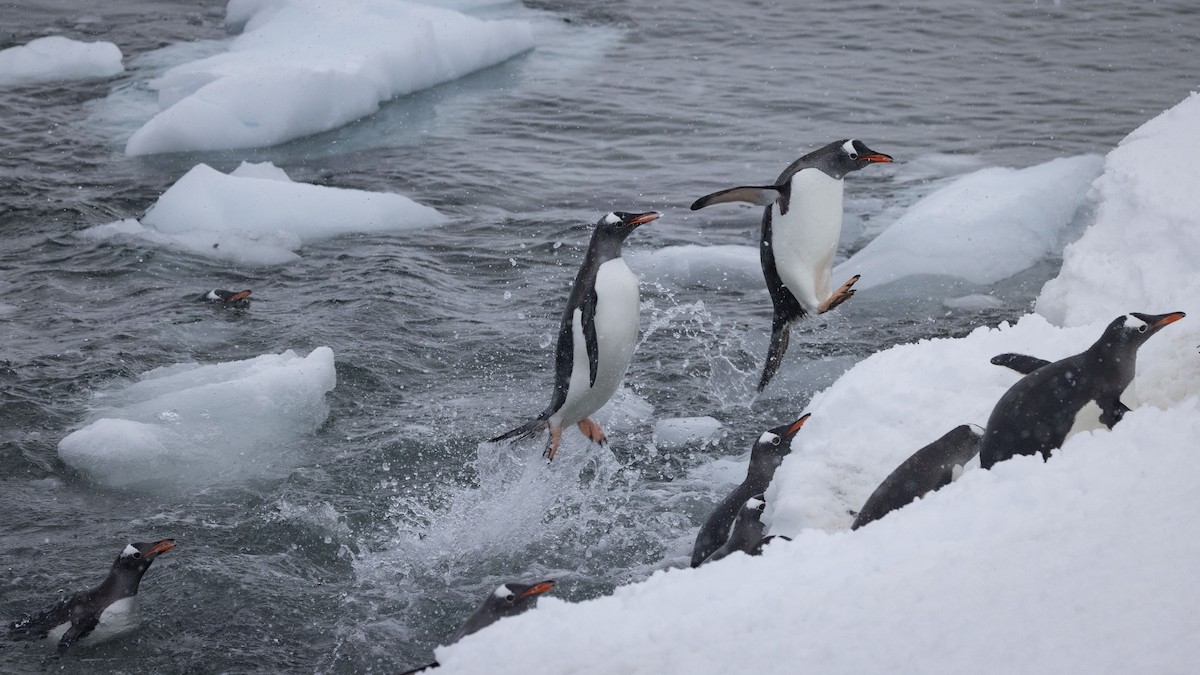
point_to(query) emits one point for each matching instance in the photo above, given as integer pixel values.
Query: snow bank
(257, 215)
(193, 424)
(305, 66)
(1079, 564)
(56, 58)
(983, 227)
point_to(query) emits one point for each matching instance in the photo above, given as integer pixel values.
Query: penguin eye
(510, 597)
(776, 440)
(853, 155)
(137, 554)
(1143, 328)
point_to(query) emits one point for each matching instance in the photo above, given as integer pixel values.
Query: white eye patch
(755, 504)
(612, 219)
(129, 550)
(502, 592)
(848, 148)
(1132, 321)
(768, 437)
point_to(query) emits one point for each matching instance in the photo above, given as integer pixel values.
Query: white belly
(1086, 419)
(117, 619)
(616, 334)
(805, 239)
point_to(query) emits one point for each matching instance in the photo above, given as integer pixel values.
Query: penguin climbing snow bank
(928, 469)
(801, 227)
(1079, 392)
(746, 535)
(102, 613)
(596, 337)
(765, 457)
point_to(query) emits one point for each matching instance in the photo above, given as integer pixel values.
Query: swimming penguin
(596, 337)
(928, 469)
(765, 457)
(747, 531)
(102, 613)
(1043, 408)
(224, 298)
(509, 599)
(801, 226)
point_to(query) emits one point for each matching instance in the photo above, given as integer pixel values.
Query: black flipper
(78, 630)
(759, 195)
(1111, 412)
(1022, 363)
(588, 319)
(564, 361)
(36, 626)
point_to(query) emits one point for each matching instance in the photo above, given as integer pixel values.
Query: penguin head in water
(619, 224)
(508, 599)
(775, 444)
(224, 298)
(842, 157)
(133, 562)
(1127, 333)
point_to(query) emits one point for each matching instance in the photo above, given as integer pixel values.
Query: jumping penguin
(596, 337)
(765, 457)
(801, 226)
(99, 614)
(1043, 408)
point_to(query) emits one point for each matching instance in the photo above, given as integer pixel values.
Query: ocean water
(378, 534)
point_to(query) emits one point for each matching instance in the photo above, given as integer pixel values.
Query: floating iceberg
(56, 58)
(201, 424)
(1093, 547)
(257, 215)
(305, 66)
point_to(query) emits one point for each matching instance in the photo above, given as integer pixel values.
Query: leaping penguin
(596, 337)
(1055, 399)
(765, 457)
(801, 226)
(99, 614)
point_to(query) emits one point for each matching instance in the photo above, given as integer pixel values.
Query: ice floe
(56, 58)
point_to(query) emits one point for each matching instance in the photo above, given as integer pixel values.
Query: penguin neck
(1115, 357)
(758, 476)
(120, 584)
(603, 248)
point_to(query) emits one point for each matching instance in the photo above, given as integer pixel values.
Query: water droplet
(508, 295)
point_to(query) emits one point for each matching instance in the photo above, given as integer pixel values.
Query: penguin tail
(523, 432)
(781, 330)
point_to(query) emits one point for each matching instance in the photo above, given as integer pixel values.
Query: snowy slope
(1082, 564)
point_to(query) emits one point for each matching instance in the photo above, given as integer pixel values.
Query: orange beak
(161, 547)
(798, 423)
(539, 588)
(240, 295)
(645, 218)
(877, 157)
(1169, 319)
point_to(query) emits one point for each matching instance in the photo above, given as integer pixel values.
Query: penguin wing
(1022, 363)
(588, 320)
(78, 630)
(1111, 411)
(760, 195)
(36, 626)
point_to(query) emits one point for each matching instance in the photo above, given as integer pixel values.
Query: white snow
(56, 58)
(305, 66)
(192, 424)
(257, 215)
(678, 432)
(1082, 564)
(983, 227)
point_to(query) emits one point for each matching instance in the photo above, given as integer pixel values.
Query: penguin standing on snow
(801, 226)
(765, 457)
(746, 535)
(596, 337)
(930, 468)
(1077, 393)
(102, 613)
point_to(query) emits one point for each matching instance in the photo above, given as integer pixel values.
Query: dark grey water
(393, 522)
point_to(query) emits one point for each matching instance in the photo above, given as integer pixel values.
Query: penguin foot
(839, 296)
(552, 442)
(592, 430)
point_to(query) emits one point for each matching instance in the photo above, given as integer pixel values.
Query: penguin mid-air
(801, 227)
(96, 615)
(765, 457)
(224, 298)
(509, 599)
(930, 468)
(1079, 392)
(596, 337)
(746, 535)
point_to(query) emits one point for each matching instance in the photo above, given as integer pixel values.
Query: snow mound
(202, 424)
(678, 432)
(723, 266)
(56, 58)
(983, 227)
(257, 215)
(306, 66)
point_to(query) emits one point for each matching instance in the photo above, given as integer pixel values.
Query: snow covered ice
(1072, 565)
(57, 58)
(305, 66)
(257, 215)
(199, 424)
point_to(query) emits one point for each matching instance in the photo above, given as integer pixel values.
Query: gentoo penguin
(747, 531)
(801, 226)
(509, 599)
(1043, 408)
(596, 337)
(765, 457)
(104, 612)
(928, 469)
(224, 298)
